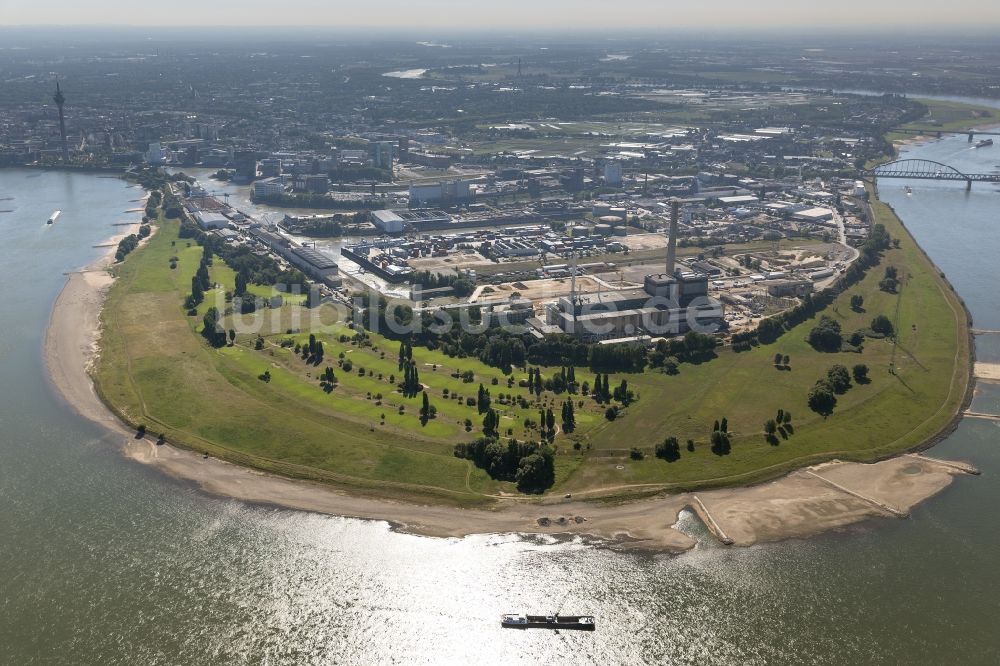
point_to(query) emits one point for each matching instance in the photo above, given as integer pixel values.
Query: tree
(787, 360)
(839, 378)
(232, 337)
(490, 423)
(826, 336)
(425, 410)
(536, 472)
(882, 325)
(611, 413)
(241, 284)
(777, 359)
(212, 330)
(821, 399)
(636, 453)
(463, 286)
(568, 416)
(669, 449)
(770, 427)
(724, 424)
(197, 293)
(720, 443)
(860, 372)
(857, 302)
(889, 285)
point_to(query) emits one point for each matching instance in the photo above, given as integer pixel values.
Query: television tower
(60, 101)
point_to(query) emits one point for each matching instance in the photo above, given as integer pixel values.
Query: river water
(105, 562)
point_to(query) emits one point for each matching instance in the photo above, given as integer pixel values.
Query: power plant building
(666, 305)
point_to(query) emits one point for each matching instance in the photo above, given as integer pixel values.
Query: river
(103, 561)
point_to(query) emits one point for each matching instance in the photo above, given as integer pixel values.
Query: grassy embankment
(945, 117)
(156, 369)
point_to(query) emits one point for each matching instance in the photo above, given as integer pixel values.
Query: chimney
(675, 207)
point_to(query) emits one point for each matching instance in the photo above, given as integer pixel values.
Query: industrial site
(625, 269)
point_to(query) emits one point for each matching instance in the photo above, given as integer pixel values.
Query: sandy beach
(803, 503)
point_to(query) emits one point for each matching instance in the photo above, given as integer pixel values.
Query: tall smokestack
(675, 211)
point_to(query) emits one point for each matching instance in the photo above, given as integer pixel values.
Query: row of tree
(200, 281)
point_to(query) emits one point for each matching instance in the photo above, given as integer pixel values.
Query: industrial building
(666, 305)
(388, 221)
(613, 174)
(269, 187)
(493, 313)
(456, 191)
(671, 303)
(396, 221)
(316, 265)
(209, 220)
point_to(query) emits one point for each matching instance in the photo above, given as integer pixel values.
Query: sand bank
(801, 504)
(988, 371)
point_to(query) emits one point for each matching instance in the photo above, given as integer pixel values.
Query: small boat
(909, 190)
(54, 217)
(575, 622)
(984, 143)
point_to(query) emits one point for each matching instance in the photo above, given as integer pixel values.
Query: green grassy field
(155, 369)
(947, 116)
(892, 413)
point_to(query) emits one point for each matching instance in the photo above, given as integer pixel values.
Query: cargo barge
(574, 622)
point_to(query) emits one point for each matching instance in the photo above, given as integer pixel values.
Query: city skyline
(522, 14)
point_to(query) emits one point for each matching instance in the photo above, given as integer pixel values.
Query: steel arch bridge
(928, 170)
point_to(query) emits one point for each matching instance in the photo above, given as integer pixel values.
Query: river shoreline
(800, 504)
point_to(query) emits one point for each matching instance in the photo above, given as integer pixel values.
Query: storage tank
(600, 210)
(603, 229)
(610, 220)
(620, 213)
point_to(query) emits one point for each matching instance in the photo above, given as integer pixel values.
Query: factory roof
(315, 258)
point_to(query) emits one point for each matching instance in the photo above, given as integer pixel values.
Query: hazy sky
(537, 14)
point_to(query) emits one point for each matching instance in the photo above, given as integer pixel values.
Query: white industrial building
(209, 220)
(452, 191)
(814, 215)
(269, 187)
(388, 221)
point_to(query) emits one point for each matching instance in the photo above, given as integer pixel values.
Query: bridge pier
(968, 186)
(971, 135)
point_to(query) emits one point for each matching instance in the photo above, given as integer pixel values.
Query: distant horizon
(529, 16)
(458, 34)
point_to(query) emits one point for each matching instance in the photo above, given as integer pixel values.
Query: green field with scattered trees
(879, 368)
